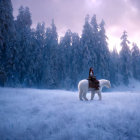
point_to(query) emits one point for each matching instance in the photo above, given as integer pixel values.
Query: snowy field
(31, 114)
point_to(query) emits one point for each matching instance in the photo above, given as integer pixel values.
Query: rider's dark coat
(93, 82)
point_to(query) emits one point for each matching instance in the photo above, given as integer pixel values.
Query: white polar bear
(83, 88)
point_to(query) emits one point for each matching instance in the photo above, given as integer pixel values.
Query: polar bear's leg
(84, 95)
(92, 95)
(80, 95)
(99, 94)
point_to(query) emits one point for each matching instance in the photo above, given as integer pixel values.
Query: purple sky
(119, 15)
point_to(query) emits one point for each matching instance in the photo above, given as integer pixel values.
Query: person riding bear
(93, 82)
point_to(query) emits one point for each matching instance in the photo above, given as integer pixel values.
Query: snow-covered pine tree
(66, 58)
(76, 59)
(46, 58)
(125, 59)
(87, 46)
(94, 49)
(39, 43)
(104, 54)
(40, 35)
(135, 61)
(51, 48)
(114, 67)
(23, 28)
(7, 38)
(54, 56)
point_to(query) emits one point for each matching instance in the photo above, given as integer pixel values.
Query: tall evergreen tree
(125, 59)
(114, 67)
(87, 45)
(7, 38)
(23, 28)
(104, 54)
(76, 59)
(66, 58)
(39, 43)
(51, 49)
(94, 48)
(135, 62)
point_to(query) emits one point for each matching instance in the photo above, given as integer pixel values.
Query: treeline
(34, 58)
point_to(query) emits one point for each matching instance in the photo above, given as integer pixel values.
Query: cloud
(118, 15)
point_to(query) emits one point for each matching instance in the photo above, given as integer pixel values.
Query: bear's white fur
(83, 88)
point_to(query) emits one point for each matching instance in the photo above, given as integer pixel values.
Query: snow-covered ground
(134, 86)
(32, 114)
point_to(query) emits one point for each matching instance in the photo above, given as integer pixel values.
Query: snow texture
(32, 114)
